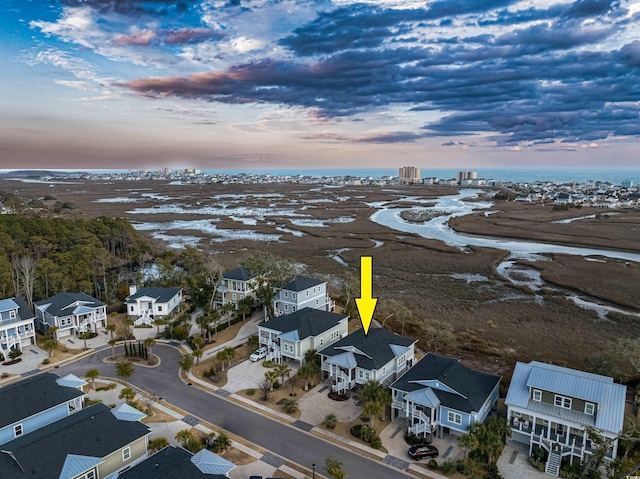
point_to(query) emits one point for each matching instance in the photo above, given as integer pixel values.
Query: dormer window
(589, 408)
(537, 395)
(286, 294)
(562, 401)
(12, 315)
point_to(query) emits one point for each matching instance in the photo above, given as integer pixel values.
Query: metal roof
(75, 464)
(609, 396)
(424, 396)
(71, 381)
(7, 304)
(211, 463)
(124, 412)
(345, 360)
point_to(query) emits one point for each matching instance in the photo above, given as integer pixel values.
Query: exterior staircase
(553, 464)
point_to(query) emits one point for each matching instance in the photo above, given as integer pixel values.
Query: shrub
(14, 353)
(432, 464)
(376, 442)
(251, 392)
(276, 384)
(269, 364)
(46, 361)
(448, 467)
(330, 421)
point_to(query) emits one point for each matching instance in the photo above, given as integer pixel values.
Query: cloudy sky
(303, 83)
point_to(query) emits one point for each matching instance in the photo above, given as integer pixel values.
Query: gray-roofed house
(441, 395)
(381, 355)
(551, 407)
(302, 292)
(177, 463)
(17, 325)
(72, 313)
(90, 444)
(292, 335)
(32, 403)
(235, 285)
(145, 304)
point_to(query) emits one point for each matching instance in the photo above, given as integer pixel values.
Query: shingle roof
(58, 305)
(240, 273)
(93, 432)
(169, 463)
(373, 350)
(306, 321)
(601, 390)
(472, 388)
(161, 295)
(30, 396)
(300, 283)
(19, 303)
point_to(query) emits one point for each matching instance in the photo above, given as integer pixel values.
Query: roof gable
(75, 465)
(301, 283)
(157, 294)
(306, 322)
(169, 463)
(371, 351)
(7, 305)
(43, 392)
(59, 304)
(240, 273)
(456, 385)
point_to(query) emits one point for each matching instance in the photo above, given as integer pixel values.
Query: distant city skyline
(262, 84)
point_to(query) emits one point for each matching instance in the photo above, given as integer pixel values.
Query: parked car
(420, 451)
(258, 354)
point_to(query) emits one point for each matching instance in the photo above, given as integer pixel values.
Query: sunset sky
(303, 83)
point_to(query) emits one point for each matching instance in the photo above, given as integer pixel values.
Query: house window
(321, 341)
(286, 294)
(293, 295)
(384, 370)
(159, 309)
(293, 308)
(12, 314)
(589, 408)
(131, 309)
(317, 301)
(286, 307)
(307, 293)
(233, 296)
(361, 374)
(126, 453)
(87, 475)
(537, 395)
(562, 401)
(335, 334)
(17, 430)
(454, 417)
(367, 375)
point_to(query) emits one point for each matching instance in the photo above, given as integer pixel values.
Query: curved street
(287, 441)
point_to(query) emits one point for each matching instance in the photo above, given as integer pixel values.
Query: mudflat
(327, 229)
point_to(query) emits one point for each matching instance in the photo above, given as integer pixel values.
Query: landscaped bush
(448, 467)
(14, 353)
(251, 392)
(107, 387)
(538, 465)
(330, 421)
(367, 434)
(432, 464)
(269, 364)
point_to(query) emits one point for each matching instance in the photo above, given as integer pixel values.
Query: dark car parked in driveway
(420, 451)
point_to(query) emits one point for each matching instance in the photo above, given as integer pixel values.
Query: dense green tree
(271, 274)
(334, 468)
(157, 444)
(124, 369)
(186, 363)
(92, 374)
(128, 394)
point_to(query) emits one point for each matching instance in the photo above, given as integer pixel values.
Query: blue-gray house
(37, 401)
(441, 395)
(17, 325)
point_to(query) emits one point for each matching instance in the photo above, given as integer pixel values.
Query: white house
(17, 325)
(381, 355)
(72, 313)
(292, 335)
(236, 285)
(441, 395)
(302, 292)
(552, 407)
(149, 303)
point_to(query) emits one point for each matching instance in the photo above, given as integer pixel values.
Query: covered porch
(420, 408)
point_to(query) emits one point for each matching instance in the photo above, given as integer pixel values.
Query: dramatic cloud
(496, 72)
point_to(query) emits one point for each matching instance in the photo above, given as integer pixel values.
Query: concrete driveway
(315, 405)
(248, 374)
(513, 463)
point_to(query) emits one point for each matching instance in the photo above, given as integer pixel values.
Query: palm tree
(84, 336)
(215, 317)
(283, 371)
(222, 357)
(384, 398)
(271, 377)
(467, 443)
(330, 421)
(372, 409)
(231, 354)
(111, 327)
(197, 353)
(204, 320)
(311, 356)
(112, 342)
(49, 344)
(307, 372)
(253, 342)
(198, 341)
(221, 443)
(149, 344)
(227, 309)
(52, 332)
(290, 406)
(128, 394)
(159, 322)
(92, 374)
(244, 306)
(371, 390)
(186, 363)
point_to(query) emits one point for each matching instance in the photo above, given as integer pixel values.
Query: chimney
(133, 289)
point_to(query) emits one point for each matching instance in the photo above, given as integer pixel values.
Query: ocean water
(519, 175)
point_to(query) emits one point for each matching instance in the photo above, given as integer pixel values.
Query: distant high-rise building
(409, 175)
(465, 177)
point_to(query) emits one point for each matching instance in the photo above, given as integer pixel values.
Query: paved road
(284, 440)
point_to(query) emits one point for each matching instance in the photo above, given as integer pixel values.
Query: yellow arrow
(366, 304)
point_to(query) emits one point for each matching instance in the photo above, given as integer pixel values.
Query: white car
(258, 354)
